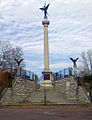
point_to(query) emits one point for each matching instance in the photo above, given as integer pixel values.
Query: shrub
(5, 80)
(88, 78)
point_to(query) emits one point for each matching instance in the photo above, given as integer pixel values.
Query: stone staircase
(57, 97)
(52, 97)
(24, 92)
(36, 96)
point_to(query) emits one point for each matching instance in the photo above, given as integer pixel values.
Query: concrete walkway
(46, 113)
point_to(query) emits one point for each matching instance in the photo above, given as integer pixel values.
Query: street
(46, 113)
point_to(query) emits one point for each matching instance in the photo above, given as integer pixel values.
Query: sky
(69, 32)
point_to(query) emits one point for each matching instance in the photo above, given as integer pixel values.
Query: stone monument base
(46, 78)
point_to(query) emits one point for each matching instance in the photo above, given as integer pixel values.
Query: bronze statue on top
(45, 8)
(74, 60)
(19, 61)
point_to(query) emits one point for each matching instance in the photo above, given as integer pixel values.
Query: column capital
(45, 22)
(75, 66)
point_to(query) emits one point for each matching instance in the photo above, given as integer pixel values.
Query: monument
(75, 66)
(46, 72)
(18, 67)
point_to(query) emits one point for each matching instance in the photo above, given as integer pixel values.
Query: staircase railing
(83, 90)
(3, 92)
(6, 89)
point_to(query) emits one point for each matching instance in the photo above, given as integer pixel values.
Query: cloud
(70, 29)
(59, 65)
(31, 63)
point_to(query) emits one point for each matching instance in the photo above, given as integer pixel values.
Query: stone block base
(46, 78)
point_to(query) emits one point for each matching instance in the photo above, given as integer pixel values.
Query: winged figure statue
(19, 61)
(45, 8)
(74, 60)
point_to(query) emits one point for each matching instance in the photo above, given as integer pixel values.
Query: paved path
(46, 113)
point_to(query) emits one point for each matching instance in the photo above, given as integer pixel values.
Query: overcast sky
(70, 30)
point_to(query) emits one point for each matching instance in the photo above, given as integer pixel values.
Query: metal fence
(30, 74)
(64, 73)
(61, 74)
(25, 73)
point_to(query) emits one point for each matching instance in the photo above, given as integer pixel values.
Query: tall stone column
(46, 73)
(45, 22)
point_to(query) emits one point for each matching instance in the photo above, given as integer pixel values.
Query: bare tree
(4, 47)
(89, 54)
(8, 54)
(87, 61)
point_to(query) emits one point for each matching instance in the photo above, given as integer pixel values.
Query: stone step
(60, 94)
(52, 96)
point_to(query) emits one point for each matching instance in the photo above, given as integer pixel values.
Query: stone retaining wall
(20, 90)
(69, 88)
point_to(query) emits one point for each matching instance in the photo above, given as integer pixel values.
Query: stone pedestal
(46, 79)
(75, 70)
(18, 71)
(46, 73)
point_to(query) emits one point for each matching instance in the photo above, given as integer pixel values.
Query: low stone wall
(69, 88)
(21, 88)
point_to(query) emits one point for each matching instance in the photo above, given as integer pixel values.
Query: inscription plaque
(46, 76)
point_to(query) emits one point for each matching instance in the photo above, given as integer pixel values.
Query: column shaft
(46, 48)
(45, 22)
